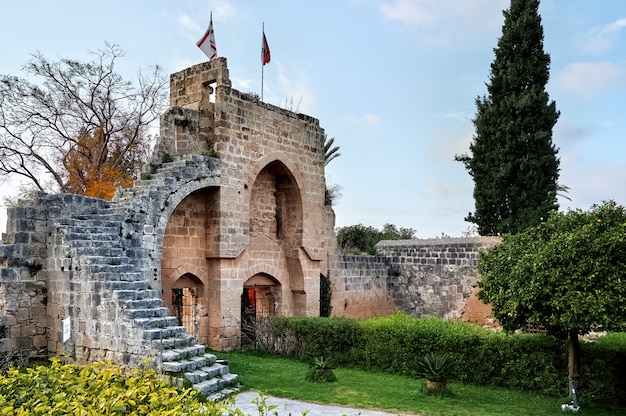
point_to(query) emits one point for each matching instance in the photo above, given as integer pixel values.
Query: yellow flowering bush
(99, 389)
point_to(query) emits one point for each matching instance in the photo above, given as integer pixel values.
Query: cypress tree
(513, 161)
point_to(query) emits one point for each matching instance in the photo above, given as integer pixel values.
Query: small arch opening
(185, 294)
(260, 300)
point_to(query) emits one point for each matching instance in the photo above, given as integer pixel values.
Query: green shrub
(394, 344)
(437, 367)
(321, 371)
(316, 337)
(100, 389)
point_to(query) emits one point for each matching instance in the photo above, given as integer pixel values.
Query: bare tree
(82, 119)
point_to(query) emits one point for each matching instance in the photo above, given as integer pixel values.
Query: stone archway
(276, 223)
(185, 280)
(260, 300)
(276, 205)
(186, 303)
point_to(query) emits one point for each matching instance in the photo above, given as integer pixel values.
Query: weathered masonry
(431, 277)
(230, 222)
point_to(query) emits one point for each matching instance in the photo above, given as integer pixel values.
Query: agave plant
(437, 367)
(321, 370)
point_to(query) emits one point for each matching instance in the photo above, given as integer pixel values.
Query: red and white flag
(207, 43)
(265, 51)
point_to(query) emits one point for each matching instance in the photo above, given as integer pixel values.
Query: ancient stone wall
(432, 277)
(24, 324)
(359, 287)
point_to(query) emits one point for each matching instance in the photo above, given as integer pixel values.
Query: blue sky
(393, 81)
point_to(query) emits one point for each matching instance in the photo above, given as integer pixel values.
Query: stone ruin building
(231, 221)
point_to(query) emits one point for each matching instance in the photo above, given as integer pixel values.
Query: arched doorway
(260, 300)
(185, 303)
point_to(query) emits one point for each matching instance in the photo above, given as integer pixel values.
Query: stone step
(157, 334)
(104, 261)
(216, 369)
(105, 219)
(180, 341)
(123, 285)
(140, 304)
(154, 322)
(180, 366)
(137, 294)
(197, 350)
(97, 249)
(159, 312)
(85, 244)
(115, 273)
(217, 388)
(99, 236)
(115, 269)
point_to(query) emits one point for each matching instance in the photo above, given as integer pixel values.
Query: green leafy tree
(567, 274)
(359, 239)
(513, 161)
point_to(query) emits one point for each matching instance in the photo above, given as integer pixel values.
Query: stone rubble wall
(430, 277)
(359, 288)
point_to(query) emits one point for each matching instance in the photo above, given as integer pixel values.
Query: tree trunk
(574, 367)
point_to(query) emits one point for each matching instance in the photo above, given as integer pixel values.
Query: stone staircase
(182, 168)
(107, 254)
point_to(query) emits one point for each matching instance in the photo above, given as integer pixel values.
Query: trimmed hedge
(536, 363)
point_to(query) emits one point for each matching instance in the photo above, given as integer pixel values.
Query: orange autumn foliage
(93, 169)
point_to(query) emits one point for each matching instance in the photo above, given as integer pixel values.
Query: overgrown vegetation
(102, 389)
(13, 358)
(359, 239)
(394, 344)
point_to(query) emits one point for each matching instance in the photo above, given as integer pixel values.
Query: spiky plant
(437, 367)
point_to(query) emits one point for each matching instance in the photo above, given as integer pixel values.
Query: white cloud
(435, 189)
(569, 133)
(449, 21)
(223, 10)
(592, 78)
(294, 86)
(451, 143)
(601, 39)
(188, 24)
(409, 12)
(243, 85)
(459, 116)
(183, 63)
(370, 120)
(592, 185)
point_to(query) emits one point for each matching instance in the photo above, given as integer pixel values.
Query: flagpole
(262, 63)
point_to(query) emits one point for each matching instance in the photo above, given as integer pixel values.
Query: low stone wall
(23, 322)
(434, 277)
(360, 287)
(430, 277)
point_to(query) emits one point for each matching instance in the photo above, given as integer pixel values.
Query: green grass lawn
(285, 377)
